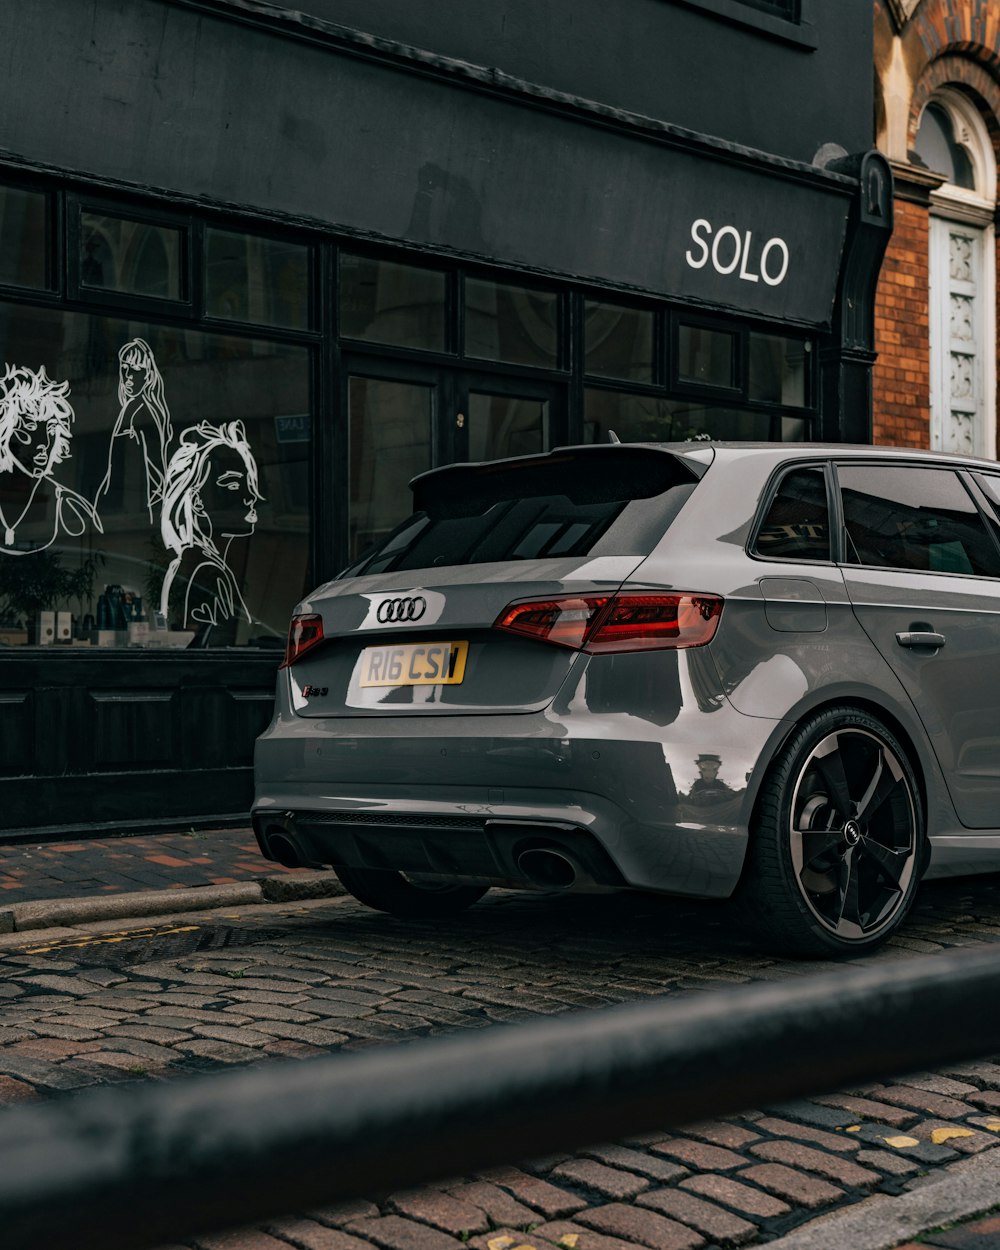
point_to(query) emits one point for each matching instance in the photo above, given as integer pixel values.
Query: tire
(836, 845)
(404, 896)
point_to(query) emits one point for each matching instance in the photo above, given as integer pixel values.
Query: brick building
(937, 115)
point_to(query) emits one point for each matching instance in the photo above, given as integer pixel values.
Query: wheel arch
(852, 702)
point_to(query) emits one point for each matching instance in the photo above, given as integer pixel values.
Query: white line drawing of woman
(210, 497)
(143, 417)
(36, 422)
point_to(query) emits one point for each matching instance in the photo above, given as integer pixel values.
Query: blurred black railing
(120, 1169)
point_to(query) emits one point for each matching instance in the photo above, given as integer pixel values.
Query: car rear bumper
(621, 800)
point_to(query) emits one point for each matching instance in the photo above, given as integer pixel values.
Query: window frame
(767, 497)
(187, 303)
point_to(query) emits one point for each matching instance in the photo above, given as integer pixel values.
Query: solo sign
(730, 251)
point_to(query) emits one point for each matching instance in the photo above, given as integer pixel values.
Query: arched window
(952, 140)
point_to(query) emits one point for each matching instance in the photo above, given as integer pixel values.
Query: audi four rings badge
(399, 611)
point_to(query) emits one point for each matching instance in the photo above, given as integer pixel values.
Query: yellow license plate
(414, 664)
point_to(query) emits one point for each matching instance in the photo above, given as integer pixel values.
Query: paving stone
(834, 1167)
(719, 1133)
(894, 1164)
(794, 1186)
(922, 1100)
(268, 1011)
(325, 1039)
(608, 1182)
(868, 1109)
(342, 1213)
(842, 1143)
(147, 1033)
(639, 1225)
(187, 1017)
(963, 1137)
(549, 1200)
(393, 1232)
(989, 1099)
(935, 1084)
(49, 1028)
(13, 1091)
(822, 1113)
(52, 1048)
(309, 1235)
(544, 1163)
(984, 1073)
(224, 1033)
(40, 1072)
(656, 1169)
(495, 1203)
(224, 1052)
(906, 1143)
(743, 1198)
(700, 1156)
(566, 1234)
(705, 1217)
(443, 1211)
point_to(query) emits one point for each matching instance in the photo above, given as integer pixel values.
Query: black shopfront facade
(258, 268)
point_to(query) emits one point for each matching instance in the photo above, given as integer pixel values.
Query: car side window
(909, 517)
(797, 523)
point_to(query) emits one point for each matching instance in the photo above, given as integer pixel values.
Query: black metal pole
(122, 1169)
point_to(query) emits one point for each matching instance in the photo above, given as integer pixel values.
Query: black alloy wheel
(834, 856)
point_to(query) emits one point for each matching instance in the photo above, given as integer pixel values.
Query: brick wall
(901, 380)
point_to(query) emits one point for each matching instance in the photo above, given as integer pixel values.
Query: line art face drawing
(210, 496)
(36, 431)
(143, 417)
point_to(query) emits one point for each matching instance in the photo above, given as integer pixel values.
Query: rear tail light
(630, 621)
(304, 633)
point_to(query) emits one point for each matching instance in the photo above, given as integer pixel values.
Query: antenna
(613, 437)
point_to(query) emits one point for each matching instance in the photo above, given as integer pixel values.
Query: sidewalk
(164, 861)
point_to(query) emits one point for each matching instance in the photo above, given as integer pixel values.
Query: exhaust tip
(284, 849)
(548, 868)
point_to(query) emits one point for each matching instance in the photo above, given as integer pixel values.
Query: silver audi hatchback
(766, 672)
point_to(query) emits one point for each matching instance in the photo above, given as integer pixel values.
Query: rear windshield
(618, 501)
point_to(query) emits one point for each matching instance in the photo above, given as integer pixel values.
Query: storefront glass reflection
(152, 483)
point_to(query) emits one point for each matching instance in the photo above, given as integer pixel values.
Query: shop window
(250, 278)
(518, 325)
(150, 494)
(650, 418)
(24, 236)
(390, 441)
(705, 356)
(777, 370)
(385, 302)
(505, 425)
(131, 257)
(618, 341)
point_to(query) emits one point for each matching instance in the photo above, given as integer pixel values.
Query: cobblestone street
(193, 993)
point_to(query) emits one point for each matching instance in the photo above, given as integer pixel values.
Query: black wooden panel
(103, 802)
(17, 731)
(129, 729)
(125, 737)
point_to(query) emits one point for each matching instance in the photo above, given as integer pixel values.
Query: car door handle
(919, 638)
